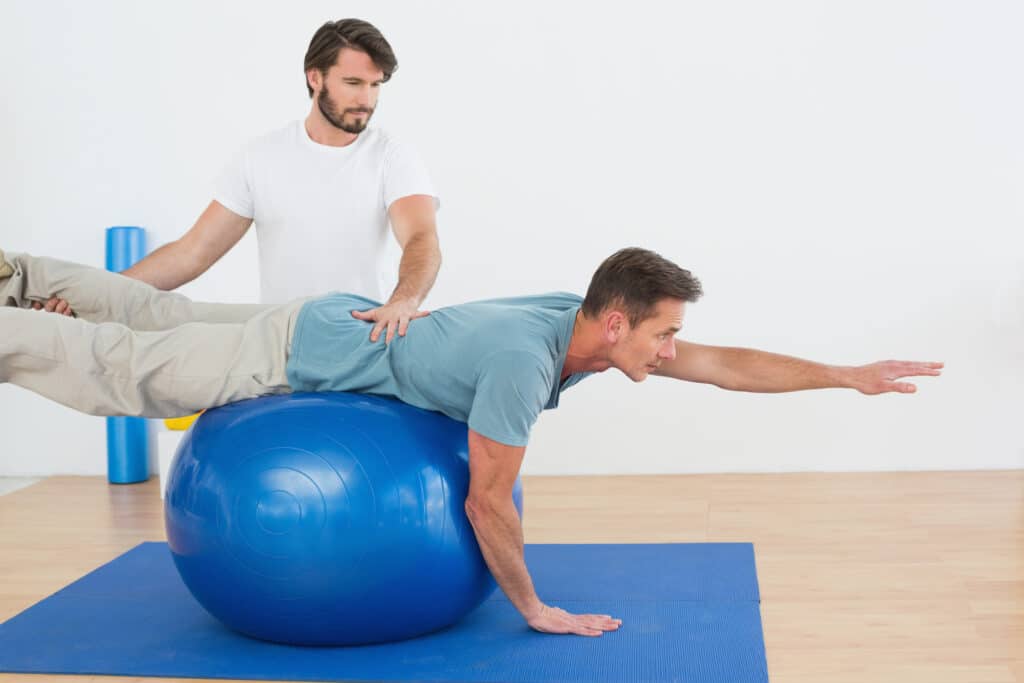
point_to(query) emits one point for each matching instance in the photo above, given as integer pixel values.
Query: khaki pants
(133, 349)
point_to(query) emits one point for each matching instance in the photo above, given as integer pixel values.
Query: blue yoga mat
(690, 613)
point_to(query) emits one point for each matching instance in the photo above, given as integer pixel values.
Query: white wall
(845, 178)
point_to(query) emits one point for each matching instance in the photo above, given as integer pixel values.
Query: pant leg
(110, 369)
(100, 296)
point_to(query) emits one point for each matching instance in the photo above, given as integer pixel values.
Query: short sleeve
(405, 174)
(234, 186)
(511, 391)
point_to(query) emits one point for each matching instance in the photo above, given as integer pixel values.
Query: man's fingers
(901, 387)
(602, 622)
(931, 369)
(559, 621)
(398, 325)
(597, 624)
(586, 627)
(584, 631)
(54, 305)
(914, 368)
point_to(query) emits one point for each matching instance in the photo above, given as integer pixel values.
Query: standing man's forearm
(216, 230)
(167, 268)
(414, 223)
(417, 271)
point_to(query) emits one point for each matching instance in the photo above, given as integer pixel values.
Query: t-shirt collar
(567, 325)
(330, 149)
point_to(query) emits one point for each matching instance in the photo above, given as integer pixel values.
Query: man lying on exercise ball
(496, 364)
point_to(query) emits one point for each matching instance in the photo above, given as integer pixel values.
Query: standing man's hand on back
(394, 316)
(413, 220)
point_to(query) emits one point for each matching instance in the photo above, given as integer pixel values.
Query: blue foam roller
(127, 437)
(127, 450)
(126, 245)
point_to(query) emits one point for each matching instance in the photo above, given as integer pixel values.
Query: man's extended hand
(880, 377)
(554, 620)
(55, 305)
(394, 315)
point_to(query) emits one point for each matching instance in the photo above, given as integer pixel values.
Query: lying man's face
(642, 349)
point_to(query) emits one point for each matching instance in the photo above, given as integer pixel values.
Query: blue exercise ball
(326, 519)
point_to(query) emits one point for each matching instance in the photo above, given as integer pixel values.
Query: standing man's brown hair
(352, 33)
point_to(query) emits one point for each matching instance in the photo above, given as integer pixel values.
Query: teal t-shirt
(493, 364)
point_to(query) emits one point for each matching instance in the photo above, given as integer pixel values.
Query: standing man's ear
(315, 79)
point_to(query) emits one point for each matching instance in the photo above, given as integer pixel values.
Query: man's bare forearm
(417, 271)
(167, 268)
(499, 533)
(761, 371)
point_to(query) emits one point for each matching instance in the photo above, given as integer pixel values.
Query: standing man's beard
(330, 112)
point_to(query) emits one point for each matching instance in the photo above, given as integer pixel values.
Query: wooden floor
(906, 577)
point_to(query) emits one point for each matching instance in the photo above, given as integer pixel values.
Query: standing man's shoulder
(404, 172)
(283, 136)
(254, 168)
(264, 149)
(383, 144)
(388, 141)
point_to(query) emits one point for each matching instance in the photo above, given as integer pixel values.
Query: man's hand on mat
(394, 315)
(555, 620)
(55, 305)
(879, 378)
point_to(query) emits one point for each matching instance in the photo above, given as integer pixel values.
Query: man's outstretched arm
(493, 468)
(740, 369)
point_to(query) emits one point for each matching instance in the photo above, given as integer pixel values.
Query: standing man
(321, 193)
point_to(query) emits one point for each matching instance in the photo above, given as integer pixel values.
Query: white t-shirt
(321, 212)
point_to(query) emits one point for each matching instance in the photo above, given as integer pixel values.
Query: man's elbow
(424, 241)
(482, 509)
(477, 508)
(727, 382)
